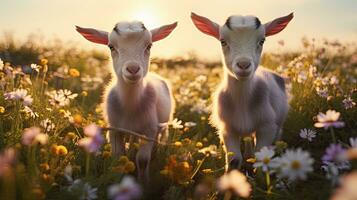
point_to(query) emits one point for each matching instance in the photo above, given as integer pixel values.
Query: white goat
(249, 99)
(139, 101)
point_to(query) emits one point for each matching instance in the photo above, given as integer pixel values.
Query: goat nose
(133, 69)
(243, 64)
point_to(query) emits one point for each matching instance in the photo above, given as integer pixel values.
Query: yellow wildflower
(44, 166)
(230, 154)
(54, 149)
(129, 167)
(48, 178)
(106, 154)
(123, 160)
(2, 109)
(77, 118)
(187, 141)
(107, 147)
(101, 123)
(199, 145)
(74, 72)
(44, 61)
(84, 93)
(61, 150)
(71, 136)
(178, 144)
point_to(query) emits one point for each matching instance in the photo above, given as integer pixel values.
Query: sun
(148, 16)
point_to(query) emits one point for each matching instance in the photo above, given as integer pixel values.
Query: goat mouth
(243, 74)
(132, 79)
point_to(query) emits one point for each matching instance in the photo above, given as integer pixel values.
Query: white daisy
(48, 125)
(61, 97)
(295, 164)
(35, 67)
(264, 159)
(307, 134)
(30, 112)
(176, 124)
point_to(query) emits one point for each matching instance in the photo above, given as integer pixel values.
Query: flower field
(53, 134)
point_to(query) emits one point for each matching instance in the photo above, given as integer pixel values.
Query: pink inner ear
(93, 35)
(205, 25)
(277, 25)
(162, 32)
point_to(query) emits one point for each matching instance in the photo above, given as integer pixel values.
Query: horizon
(32, 18)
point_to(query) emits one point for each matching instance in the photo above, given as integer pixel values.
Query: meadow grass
(66, 85)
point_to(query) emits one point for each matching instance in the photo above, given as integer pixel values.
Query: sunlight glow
(149, 17)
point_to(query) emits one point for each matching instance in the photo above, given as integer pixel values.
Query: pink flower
(236, 182)
(19, 94)
(94, 139)
(33, 135)
(348, 189)
(330, 119)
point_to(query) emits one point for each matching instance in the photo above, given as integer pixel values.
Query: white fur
(247, 100)
(138, 104)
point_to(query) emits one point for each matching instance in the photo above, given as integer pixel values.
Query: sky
(332, 19)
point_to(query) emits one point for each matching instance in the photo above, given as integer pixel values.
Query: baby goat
(139, 100)
(249, 99)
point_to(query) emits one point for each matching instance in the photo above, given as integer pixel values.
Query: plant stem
(87, 164)
(267, 178)
(227, 195)
(198, 168)
(333, 135)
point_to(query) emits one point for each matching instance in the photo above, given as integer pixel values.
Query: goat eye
(111, 47)
(148, 47)
(261, 42)
(223, 43)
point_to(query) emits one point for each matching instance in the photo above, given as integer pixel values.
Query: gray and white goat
(250, 98)
(138, 100)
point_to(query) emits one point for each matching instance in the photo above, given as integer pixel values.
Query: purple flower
(348, 103)
(94, 141)
(128, 189)
(334, 154)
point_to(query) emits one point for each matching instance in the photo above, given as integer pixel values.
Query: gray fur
(280, 81)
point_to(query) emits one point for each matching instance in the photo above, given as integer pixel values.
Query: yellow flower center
(295, 165)
(266, 160)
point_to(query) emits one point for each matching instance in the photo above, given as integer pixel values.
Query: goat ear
(93, 35)
(205, 25)
(162, 31)
(277, 25)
